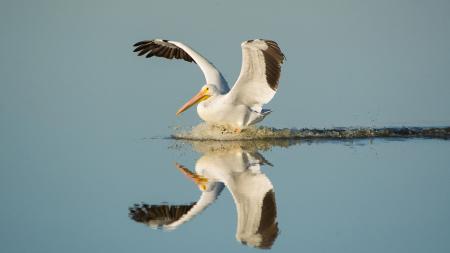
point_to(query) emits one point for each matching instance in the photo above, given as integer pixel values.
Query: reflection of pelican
(237, 169)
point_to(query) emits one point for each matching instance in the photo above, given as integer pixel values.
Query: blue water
(382, 195)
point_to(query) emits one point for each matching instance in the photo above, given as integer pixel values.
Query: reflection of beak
(202, 95)
(198, 180)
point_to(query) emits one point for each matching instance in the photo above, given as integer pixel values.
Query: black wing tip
(161, 48)
(274, 57)
(163, 214)
(142, 42)
(273, 44)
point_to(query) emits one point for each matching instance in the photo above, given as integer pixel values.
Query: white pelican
(217, 104)
(237, 169)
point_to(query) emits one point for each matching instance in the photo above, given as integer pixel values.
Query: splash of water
(209, 132)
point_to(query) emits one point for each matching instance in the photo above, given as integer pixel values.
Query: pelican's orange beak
(200, 181)
(199, 97)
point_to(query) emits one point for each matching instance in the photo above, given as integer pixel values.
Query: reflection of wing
(254, 197)
(206, 199)
(177, 50)
(170, 217)
(260, 72)
(268, 225)
(157, 216)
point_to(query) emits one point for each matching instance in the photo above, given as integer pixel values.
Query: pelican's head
(205, 92)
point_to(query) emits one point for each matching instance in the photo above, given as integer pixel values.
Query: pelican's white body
(220, 111)
(242, 105)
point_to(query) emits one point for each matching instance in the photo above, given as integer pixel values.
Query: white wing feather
(212, 75)
(174, 49)
(260, 72)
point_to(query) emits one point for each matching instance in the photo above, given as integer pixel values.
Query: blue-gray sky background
(69, 65)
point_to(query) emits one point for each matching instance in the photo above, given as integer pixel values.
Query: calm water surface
(330, 196)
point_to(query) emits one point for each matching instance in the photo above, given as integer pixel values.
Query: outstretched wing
(177, 50)
(161, 48)
(260, 73)
(158, 216)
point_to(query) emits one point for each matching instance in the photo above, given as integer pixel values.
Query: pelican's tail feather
(258, 116)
